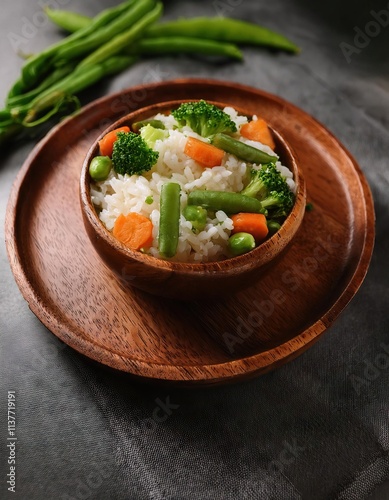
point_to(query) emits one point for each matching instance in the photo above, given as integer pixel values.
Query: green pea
(196, 215)
(273, 226)
(149, 200)
(100, 167)
(240, 243)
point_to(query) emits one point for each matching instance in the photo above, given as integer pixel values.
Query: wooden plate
(80, 300)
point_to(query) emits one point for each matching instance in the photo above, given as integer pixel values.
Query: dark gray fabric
(314, 429)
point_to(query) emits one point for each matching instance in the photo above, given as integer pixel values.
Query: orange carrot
(254, 224)
(106, 143)
(257, 130)
(204, 153)
(134, 230)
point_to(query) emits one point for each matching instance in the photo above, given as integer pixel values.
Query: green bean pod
(169, 223)
(67, 20)
(186, 45)
(231, 203)
(54, 77)
(107, 33)
(38, 66)
(241, 150)
(222, 29)
(72, 84)
(123, 40)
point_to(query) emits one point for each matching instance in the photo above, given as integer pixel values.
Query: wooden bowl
(189, 280)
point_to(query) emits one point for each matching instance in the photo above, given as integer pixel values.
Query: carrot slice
(257, 130)
(134, 230)
(202, 152)
(254, 224)
(106, 143)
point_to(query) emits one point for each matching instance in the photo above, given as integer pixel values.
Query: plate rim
(259, 362)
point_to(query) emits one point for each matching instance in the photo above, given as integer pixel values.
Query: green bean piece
(169, 223)
(107, 33)
(38, 66)
(241, 150)
(154, 123)
(67, 20)
(223, 29)
(240, 243)
(123, 40)
(100, 167)
(196, 215)
(185, 45)
(231, 203)
(273, 226)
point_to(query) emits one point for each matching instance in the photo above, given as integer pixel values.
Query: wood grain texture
(82, 302)
(180, 280)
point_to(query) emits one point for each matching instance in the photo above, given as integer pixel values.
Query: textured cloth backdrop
(314, 429)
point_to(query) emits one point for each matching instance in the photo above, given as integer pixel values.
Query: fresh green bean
(231, 203)
(72, 84)
(88, 44)
(169, 223)
(222, 29)
(240, 243)
(39, 65)
(54, 77)
(185, 45)
(123, 40)
(17, 88)
(67, 20)
(241, 150)
(100, 167)
(154, 123)
(196, 215)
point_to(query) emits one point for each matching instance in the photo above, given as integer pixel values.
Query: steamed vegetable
(150, 134)
(203, 118)
(169, 219)
(131, 155)
(257, 130)
(100, 168)
(134, 230)
(154, 123)
(241, 150)
(204, 153)
(197, 216)
(270, 187)
(107, 142)
(231, 203)
(240, 243)
(254, 224)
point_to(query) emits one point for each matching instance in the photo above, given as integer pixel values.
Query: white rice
(122, 194)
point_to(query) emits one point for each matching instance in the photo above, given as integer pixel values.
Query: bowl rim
(259, 255)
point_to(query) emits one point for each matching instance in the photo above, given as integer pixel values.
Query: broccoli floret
(279, 203)
(268, 186)
(203, 118)
(131, 155)
(264, 180)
